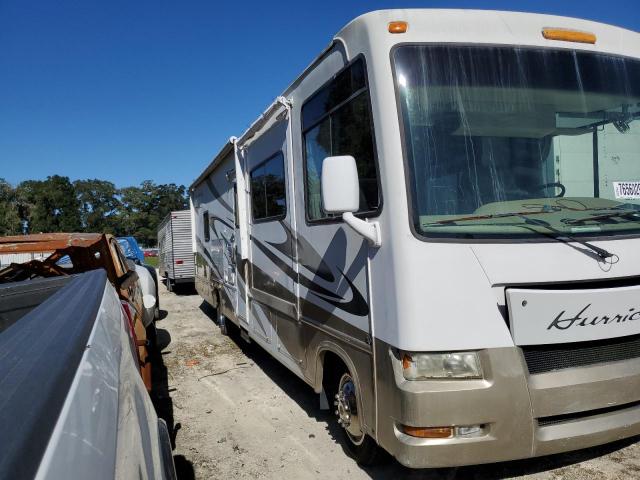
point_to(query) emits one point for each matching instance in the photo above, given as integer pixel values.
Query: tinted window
(346, 83)
(268, 198)
(205, 223)
(337, 121)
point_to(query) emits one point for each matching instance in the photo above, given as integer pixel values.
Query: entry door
(271, 268)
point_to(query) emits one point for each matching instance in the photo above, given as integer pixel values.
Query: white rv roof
(480, 27)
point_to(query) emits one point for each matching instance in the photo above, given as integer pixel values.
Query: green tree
(49, 205)
(10, 223)
(144, 207)
(98, 205)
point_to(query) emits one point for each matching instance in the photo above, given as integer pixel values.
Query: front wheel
(361, 446)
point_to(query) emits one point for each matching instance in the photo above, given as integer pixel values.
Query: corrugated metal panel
(175, 246)
(9, 258)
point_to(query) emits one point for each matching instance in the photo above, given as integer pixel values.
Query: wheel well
(216, 299)
(332, 367)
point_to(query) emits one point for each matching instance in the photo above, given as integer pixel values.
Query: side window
(205, 226)
(268, 198)
(337, 121)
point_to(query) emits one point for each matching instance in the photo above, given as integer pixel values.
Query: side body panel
(165, 248)
(333, 264)
(273, 315)
(308, 282)
(217, 275)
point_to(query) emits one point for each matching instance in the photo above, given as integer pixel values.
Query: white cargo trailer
(175, 248)
(438, 224)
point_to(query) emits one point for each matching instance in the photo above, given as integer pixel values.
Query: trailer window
(205, 226)
(337, 121)
(268, 198)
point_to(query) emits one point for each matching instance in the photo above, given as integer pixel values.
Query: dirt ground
(237, 413)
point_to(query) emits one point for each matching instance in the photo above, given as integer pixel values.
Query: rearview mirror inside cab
(340, 185)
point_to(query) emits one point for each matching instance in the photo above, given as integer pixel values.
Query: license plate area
(541, 317)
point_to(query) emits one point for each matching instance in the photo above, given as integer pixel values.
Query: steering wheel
(562, 188)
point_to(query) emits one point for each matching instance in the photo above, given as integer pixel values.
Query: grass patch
(153, 261)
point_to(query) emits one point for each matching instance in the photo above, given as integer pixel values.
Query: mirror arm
(369, 230)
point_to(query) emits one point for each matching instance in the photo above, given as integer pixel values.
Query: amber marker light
(398, 27)
(567, 35)
(428, 432)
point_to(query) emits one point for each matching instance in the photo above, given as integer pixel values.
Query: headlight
(421, 366)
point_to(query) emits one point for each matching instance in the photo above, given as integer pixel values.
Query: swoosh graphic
(307, 256)
(357, 305)
(217, 195)
(290, 272)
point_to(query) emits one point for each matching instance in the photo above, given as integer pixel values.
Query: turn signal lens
(398, 27)
(566, 35)
(428, 432)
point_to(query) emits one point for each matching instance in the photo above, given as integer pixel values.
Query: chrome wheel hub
(347, 409)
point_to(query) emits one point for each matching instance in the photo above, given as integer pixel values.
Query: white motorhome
(438, 225)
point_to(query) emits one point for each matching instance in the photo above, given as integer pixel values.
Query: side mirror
(341, 194)
(340, 185)
(126, 280)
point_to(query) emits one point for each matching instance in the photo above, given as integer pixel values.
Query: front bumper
(523, 415)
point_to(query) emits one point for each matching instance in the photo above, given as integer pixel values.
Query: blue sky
(133, 90)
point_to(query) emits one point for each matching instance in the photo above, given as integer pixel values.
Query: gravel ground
(237, 413)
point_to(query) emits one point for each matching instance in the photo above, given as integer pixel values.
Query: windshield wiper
(600, 252)
(545, 209)
(604, 216)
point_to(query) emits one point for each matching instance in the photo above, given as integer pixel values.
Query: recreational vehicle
(175, 246)
(437, 227)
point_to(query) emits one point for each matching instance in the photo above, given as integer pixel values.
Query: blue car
(131, 249)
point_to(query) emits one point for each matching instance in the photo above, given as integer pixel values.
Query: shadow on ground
(388, 468)
(187, 288)
(161, 397)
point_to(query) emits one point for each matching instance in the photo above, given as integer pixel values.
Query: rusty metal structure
(86, 251)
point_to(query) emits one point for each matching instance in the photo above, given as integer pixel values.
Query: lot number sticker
(627, 190)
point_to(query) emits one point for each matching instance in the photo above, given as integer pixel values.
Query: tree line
(59, 205)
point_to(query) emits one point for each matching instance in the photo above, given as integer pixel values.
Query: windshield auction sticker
(627, 190)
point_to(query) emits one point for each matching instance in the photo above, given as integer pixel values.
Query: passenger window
(205, 224)
(337, 121)
(268, 198)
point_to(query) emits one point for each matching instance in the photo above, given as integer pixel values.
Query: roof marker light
(398, 27)
(567, 35)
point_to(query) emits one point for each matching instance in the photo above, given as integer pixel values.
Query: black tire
(222, 323)
(363, 449)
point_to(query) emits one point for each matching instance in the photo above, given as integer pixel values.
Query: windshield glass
(498, 136)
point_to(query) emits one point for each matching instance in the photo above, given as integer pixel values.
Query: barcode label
(627, 190)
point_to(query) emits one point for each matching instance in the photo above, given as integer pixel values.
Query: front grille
(546, 358)
(557, 419)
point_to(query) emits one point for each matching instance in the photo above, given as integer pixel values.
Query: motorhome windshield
(496, 137)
